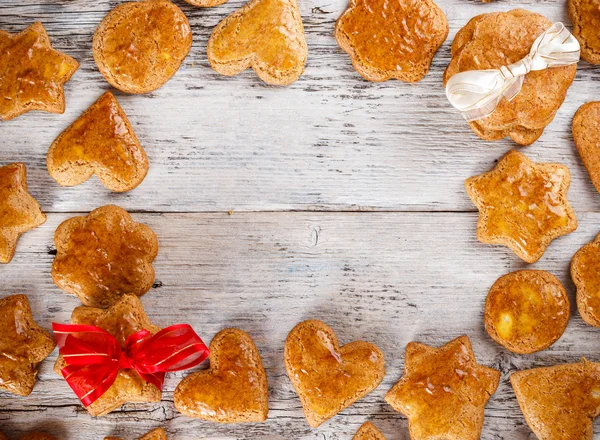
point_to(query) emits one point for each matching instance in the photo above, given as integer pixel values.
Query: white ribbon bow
(476, 93)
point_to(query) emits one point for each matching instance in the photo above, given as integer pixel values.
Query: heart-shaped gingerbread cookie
(102, 142)
(266, 35)
(327, 377)
(234, 389)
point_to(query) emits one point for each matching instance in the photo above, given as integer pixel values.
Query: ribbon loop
(94, 357)
(477, 93)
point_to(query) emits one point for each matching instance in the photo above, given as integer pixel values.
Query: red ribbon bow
(94, 357)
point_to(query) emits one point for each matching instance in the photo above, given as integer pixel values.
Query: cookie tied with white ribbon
(518, 55)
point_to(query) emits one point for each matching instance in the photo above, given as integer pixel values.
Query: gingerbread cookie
(327, 377)
(522, 205)
(585, 271)
(526, 311)
(100, 142)
(585, 16)
(206, 3)
(368, 431)
(140, 45)
(23, 345)
(104, 255)
(444, 391)
(122, 319)
(490, 41)
(559, 402)
(391, 39)
(33, 73)
(37, 436)
(234, 389)
(155, 434)
(586, 132)
(266, 35)
(3, 436)
(19, 211)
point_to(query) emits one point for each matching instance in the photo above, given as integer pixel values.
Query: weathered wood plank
(331, 141)
(384, 277)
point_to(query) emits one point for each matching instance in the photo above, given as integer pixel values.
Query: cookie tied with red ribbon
(114, 356)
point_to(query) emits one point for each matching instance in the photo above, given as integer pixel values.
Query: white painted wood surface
(330, 142)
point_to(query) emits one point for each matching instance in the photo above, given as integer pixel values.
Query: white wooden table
(348, 206)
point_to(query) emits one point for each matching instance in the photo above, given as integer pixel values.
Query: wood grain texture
(388, 278)
(330, 142)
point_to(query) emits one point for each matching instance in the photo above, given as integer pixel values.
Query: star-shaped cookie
(125, 317)
(559, 402)
(368, 431)
(522, 204)
(33, 73)
(155, 434)
(23, 345)
(19, 211)
(443, 391)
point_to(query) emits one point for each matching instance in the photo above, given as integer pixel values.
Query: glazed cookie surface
(140, 45)
(33, 73)
(19, 211)
(104, 255)
(368, 431)
(526, 311)
(492, 40)
(391, 39)
(559, 402)
(586, 133)
(102, 142)
(234, 389)
(266, 35)
(585, 16)
(155, 434)
(327, 377)
(585, 272)
(522, 205)
(23, 345)
(444, 391)
(125, 317)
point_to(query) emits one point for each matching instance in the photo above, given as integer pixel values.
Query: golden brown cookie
(327, 377)
(33, 73)
(391, 39)
(497, 39)
(3, 436)
(19, 211)
(234, 389)
(522, 204)
(266, 35)
(585, 271)
(123, 318)
(586, 132)
(102, 142)
(155, 434)
(37, 436)
(559, 402)
(23, 345)
(526, 311)
(206, 3)
(104, 255)
(140, 45)
(444, 391)
(585, 16)
(368, 431)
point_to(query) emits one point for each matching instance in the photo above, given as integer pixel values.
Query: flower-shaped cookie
(559, 402)
(19, 211)
(23, 345)
(104, 255)
(266, 35)
(444, 391)
(125, 317)
(102, 142)
(368, 431)
(391, 39)
(234, 389)
(33, 73)
(327, 377)
(490, 41)
(155, 434)
(522, 205)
